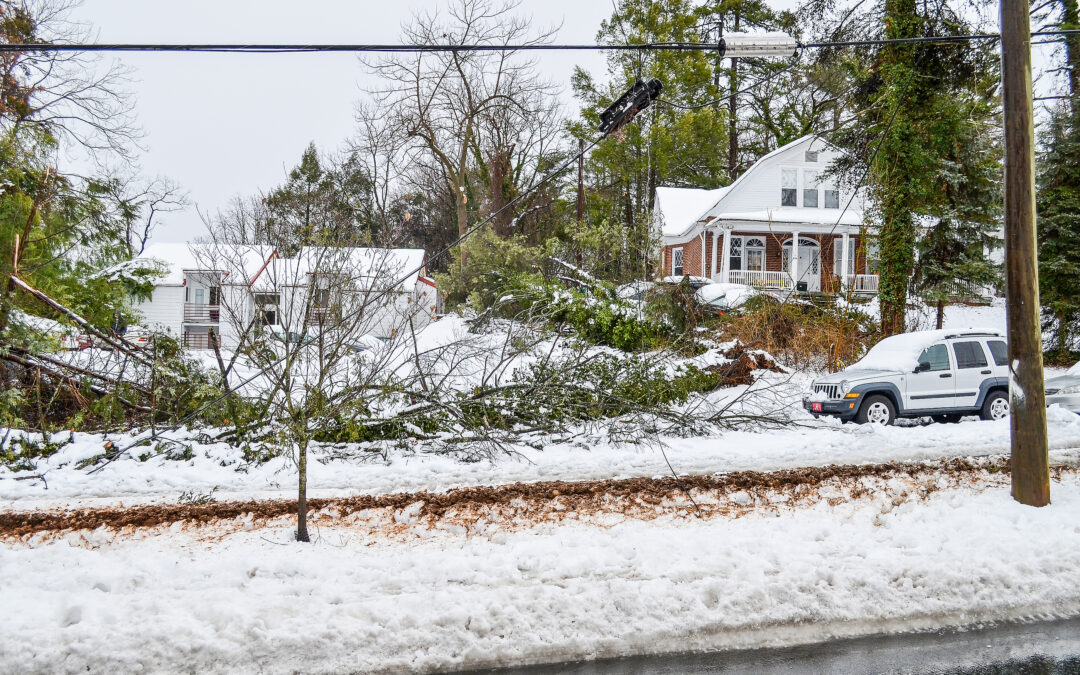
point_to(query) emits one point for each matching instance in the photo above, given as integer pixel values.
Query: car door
(933, 386)
(972, 367)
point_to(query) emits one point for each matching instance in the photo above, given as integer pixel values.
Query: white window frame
(838, 253)
(811, 181)
(677, 254)
(753, 245)
(785, 172)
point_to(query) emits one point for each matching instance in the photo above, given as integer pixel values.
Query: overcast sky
(231, 124)
(223, 125)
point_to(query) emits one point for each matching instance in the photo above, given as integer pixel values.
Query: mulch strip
(576, 495)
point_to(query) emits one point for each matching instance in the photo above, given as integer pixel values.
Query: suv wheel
(995, 407)
(876, 409)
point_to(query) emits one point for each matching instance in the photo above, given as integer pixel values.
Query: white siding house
(233, 291)
(783, 224)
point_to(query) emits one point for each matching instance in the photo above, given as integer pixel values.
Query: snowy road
(428, 599)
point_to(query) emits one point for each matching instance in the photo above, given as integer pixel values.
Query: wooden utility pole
(1030, 461)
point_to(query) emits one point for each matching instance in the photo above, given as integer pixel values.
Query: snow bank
(819, 443)
(256, 602)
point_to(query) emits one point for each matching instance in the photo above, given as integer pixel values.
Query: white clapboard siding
(164, 311)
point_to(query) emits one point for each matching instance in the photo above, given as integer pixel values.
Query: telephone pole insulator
(637, 98)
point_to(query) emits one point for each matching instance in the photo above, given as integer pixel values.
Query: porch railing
(199, 313)
(865, 283)
(758, 279)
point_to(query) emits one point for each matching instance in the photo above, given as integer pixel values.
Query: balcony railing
(199, 313)
(199, 340)
(758, 279)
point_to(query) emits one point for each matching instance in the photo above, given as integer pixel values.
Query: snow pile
(255, 601)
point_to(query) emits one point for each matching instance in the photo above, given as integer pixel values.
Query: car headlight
(1074, 389)
(844, 386)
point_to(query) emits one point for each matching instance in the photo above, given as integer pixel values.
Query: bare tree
(71, 96)
(441, 103)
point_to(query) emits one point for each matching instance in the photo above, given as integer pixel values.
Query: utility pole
(1030, 462)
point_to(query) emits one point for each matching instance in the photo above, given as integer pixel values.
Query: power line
(298, 48)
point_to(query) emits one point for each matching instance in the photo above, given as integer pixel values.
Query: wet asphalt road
(1048, 648)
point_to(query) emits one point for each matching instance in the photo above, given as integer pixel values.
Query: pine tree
(1059, 226)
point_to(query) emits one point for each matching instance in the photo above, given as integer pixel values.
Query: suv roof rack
(974, 333)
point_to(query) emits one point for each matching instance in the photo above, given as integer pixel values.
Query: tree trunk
(733, 119)
(462, 210)
(1062, 334)
(301, 499)
(940, 313)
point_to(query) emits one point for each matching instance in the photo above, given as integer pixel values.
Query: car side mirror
(922, 367)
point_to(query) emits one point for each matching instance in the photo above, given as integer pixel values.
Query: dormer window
(789, 187)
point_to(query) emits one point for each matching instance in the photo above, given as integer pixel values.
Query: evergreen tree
(921, 113)
(1059, 226)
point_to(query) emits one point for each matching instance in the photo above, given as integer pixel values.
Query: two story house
(226, 291)
(783, 225)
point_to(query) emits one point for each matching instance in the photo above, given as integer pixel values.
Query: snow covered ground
(198, 601)
(246, 597)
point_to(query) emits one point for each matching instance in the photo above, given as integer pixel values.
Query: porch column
(844, 261)
(725, 256)
(793, 264)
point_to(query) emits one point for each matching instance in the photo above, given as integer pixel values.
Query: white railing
(865, 283)
(757, 279)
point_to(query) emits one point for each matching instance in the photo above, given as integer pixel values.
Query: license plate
(816, 406)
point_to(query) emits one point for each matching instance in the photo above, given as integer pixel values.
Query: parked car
(721, 298)
(277, 332)
(1064, 390)
(635, 291)
(941, 374)
(695, 282)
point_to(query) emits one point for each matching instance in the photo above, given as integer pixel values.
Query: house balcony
(199, 340)
(201, 313)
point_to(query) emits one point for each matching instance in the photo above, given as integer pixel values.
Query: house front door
(809, 263)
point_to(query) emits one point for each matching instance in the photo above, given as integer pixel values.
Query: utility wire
(286, 48)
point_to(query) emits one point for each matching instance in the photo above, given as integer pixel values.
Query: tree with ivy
(918, 118)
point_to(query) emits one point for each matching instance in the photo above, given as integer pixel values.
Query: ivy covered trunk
(897, 238)
(895, 171)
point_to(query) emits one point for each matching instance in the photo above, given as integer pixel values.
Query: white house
(782, 224)
(235, 289)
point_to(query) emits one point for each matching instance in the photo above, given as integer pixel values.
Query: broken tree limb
(118, 343)
(84, 371)
(70, 381)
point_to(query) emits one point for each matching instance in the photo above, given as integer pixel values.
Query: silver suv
(941, 374)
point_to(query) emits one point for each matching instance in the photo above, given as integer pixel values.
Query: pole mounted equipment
(739, 45)
(637, 98)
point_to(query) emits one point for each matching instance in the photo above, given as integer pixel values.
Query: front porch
(859, 284)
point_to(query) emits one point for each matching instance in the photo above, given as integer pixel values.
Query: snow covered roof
(179, 257)
(755, 196)
(680, 208)
(258, 265)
